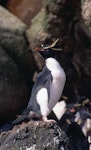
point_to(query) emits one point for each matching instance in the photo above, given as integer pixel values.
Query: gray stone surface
(34, 136)
(13, 88)
(16, 65)
(13, 40)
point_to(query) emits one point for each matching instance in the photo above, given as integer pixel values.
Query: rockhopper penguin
(48, 87)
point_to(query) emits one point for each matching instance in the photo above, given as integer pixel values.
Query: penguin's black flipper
(44, 79)
(20, 119)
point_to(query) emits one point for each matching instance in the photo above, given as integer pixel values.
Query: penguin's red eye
(37, 49)
(72, 110)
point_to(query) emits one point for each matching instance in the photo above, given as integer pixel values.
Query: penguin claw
(45, 119)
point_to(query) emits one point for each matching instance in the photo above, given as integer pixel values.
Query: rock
(52, 22)
(37, 29)
(14, 92)
(37, 35)
(34, 135)
(86, 16)
(13, 40)
(16, 66)
(24, 9)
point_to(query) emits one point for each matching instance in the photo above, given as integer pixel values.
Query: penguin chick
(47, 89)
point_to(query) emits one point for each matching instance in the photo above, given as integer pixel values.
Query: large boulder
(13, 88)
(16, 66)
(24, 9)
(13, 40)
(36, 35)
(34, 136)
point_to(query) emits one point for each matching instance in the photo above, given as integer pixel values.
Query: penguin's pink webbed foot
(45, 119)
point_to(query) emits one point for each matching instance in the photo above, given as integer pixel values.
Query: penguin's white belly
(45, 102)
(59, 109)
(58, 82)
(56, 87)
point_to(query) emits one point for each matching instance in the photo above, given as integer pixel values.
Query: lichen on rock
(37, 136)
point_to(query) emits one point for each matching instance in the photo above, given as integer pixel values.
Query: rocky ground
(34, 136)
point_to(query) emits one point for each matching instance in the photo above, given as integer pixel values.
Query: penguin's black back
(77, 138)
(42, 81)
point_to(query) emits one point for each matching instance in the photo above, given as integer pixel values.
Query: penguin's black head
(46, 53)
(49, 51)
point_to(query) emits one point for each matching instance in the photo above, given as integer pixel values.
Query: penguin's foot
(45, 119)
(34, 115)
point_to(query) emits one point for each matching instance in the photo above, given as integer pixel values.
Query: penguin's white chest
(58, 82)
